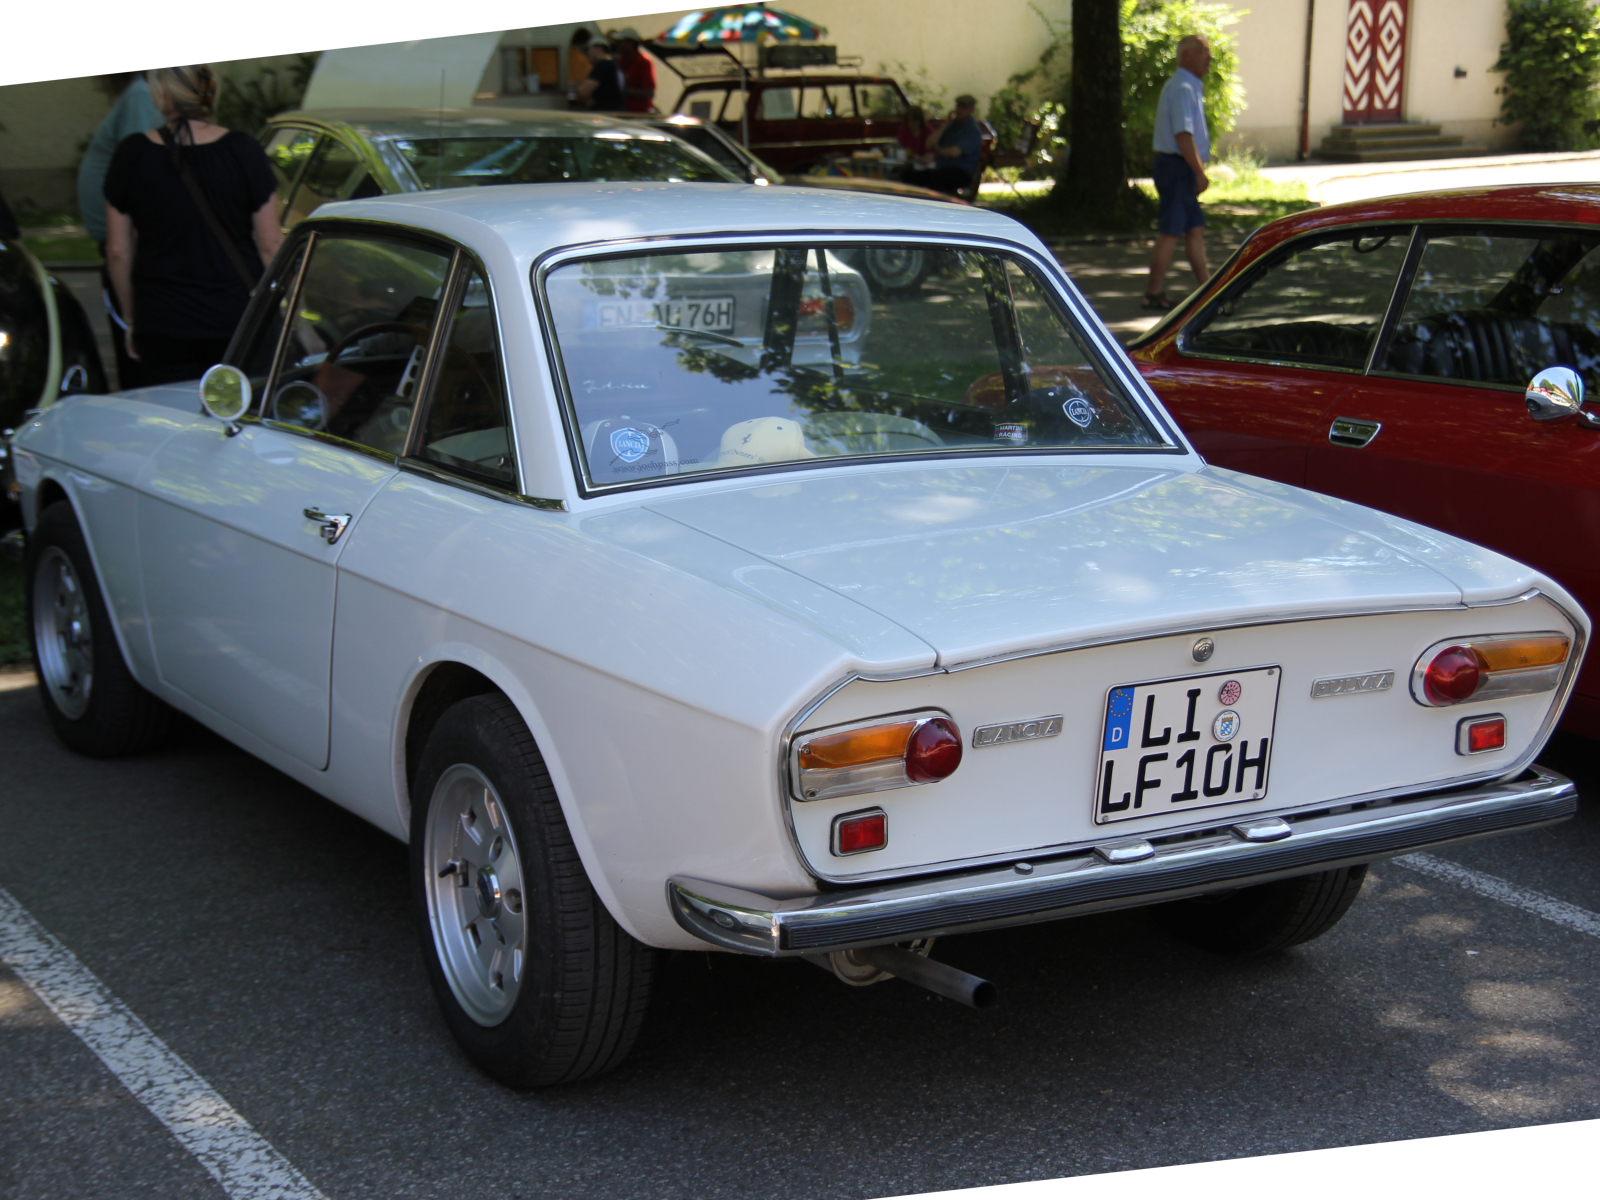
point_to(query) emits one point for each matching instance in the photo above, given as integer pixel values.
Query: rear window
(686, 364)
(603, 158)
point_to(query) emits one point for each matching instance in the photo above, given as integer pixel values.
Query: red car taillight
(875, 756)
(1489, 668)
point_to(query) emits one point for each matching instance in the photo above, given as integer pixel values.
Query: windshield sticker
(1079, 411)
(629, 444)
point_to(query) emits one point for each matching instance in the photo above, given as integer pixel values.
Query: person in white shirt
(1183, 147)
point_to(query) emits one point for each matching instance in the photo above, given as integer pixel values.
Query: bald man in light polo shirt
(1183, 147)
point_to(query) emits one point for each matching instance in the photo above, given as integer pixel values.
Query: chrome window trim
(1562, 693)
(1397, 299)
(418, 466)
(1113, 359)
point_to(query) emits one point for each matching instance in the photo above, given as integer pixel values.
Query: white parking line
(205, 1124)
(1495, 888)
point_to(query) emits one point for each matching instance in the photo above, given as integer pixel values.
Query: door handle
(331, 525)
(1352, 433)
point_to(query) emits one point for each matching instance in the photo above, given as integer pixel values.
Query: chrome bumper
(1086, 882)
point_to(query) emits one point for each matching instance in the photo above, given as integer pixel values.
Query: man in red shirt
(638, 76)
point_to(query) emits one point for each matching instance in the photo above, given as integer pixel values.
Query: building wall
(963, 46)
(1443, 35)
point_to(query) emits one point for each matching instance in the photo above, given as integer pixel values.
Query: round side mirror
(1555, 394)
(225, 394)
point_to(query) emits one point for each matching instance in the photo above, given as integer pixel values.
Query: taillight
(875, 756)
(1489, 668)
(844, 310)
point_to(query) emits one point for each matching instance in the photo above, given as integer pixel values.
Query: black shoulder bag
(196, 193)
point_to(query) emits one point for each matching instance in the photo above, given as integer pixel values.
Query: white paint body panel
(662, 643)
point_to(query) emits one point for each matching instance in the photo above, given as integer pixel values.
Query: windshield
(600, 158)
(682, 364)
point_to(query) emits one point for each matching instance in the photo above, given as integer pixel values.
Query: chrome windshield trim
(1082, 882)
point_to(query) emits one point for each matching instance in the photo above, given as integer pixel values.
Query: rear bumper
(1086, 882)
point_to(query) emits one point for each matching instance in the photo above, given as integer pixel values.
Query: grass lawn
(13, 645)
(63, 248)
(1238, 200)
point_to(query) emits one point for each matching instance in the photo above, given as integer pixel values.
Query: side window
(287, 151)
(1499, 306)
(1320, 303)
(733, 108)
(824, 103)
(255, 356)
(778, 104)
(879, 100)
(330, 168)
(467, 427)
(358, 338)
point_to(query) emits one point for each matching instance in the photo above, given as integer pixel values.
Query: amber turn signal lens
(856, 747)
(1521, 654)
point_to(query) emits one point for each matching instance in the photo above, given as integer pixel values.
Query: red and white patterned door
(1374, 60)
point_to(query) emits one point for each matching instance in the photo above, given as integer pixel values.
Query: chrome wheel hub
(474, 883)
(62, 633)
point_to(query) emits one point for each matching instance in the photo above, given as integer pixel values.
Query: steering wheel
(420, 338)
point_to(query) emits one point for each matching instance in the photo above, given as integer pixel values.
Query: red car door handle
(1352, 433)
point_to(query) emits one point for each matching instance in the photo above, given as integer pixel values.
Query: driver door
(238, 575)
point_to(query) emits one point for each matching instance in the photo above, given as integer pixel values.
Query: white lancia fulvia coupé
(665, 585)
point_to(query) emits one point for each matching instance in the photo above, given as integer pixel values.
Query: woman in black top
(183, 278)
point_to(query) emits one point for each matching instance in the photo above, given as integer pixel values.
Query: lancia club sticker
(630, 445)
(1079, 411)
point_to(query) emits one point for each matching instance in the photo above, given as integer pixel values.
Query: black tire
(1267, 917)
(580, 999)
(101, 712)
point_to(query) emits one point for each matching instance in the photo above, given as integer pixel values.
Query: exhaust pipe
(938, 977)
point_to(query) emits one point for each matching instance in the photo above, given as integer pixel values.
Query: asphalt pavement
(264, 937)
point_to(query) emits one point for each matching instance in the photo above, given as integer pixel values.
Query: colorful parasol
(741, 23)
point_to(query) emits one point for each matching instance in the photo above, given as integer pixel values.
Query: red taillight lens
(860, 832)
(1485, 735)
(1452, 676)
(934, 751)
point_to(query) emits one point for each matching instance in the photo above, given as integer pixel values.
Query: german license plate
(1178, 744)
(713, 314)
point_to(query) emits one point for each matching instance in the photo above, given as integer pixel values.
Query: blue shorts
(1180, 207)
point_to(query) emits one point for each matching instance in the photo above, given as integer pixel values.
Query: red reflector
(1487, 734)
(1452, 676)
(861, 832)
(934, 751)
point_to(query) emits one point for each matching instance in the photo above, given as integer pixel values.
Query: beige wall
(1444, 34)
(965, 46)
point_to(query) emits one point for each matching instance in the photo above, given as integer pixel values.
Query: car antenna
(438, 159)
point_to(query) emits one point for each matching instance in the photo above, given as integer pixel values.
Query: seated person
(958, 152)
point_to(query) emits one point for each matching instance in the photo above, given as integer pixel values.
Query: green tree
(1150, 36)
(1551, 60)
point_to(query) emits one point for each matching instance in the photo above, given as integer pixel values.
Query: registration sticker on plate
(714, 314)
(1177, 744)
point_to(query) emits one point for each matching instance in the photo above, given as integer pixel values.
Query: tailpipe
(938, 977)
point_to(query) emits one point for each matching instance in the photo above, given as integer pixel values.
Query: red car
(1382, 352)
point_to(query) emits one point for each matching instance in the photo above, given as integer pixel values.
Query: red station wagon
(1381, 351)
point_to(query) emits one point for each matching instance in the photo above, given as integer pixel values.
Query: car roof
(377, 124)
(530, 219)
(1576, 203)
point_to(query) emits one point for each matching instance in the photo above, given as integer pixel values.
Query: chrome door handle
(331, 525)
(1351, 433)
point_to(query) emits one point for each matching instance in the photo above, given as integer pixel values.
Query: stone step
(1393, 143)
(1371, 156)
(1385, 130)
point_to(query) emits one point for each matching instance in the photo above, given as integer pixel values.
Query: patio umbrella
(741, 23)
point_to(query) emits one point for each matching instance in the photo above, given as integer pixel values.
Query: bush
(1151, 30)
(1551, 60)
(246, 104)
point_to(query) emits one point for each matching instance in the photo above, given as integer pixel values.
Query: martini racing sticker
(1178, 744)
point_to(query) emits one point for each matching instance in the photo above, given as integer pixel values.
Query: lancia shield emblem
(1079, 411)
(630, 445)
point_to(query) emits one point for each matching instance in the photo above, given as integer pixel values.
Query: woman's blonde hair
(191, 92)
